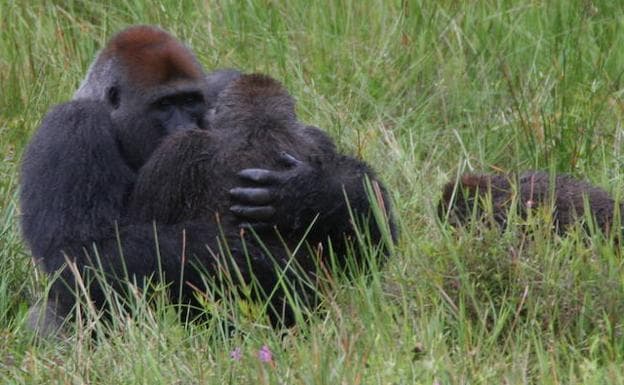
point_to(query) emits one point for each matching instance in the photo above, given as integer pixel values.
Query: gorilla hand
(270, 201)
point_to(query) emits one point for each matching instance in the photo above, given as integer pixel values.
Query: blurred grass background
(421, 90)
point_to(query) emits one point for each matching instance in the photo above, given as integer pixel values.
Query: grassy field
(421, 90)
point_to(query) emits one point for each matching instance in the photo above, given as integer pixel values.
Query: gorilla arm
(72, 188)
(73, 180)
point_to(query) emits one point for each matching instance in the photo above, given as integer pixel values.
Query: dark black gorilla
(569, 198)
(192, 176)
(81, 166)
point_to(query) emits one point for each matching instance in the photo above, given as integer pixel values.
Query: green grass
(422, 90)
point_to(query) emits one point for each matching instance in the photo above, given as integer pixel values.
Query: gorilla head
(153, 85)
(253, 103)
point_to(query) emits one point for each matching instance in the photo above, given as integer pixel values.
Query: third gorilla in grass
(570, 198)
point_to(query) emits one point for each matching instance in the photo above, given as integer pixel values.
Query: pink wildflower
(264, 354)
(236, 354)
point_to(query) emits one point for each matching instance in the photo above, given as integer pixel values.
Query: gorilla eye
(164, 103)
(192, 99)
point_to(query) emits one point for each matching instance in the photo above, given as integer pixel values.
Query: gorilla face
(143, 119)
(178, 112)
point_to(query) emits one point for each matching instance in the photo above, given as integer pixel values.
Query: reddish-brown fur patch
(151, 56)
(473, 181)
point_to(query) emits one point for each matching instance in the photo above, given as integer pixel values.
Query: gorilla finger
(289, 160)
(260, 175)
(255, 195)
(258, 213)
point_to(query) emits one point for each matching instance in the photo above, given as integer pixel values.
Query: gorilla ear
(112, 97)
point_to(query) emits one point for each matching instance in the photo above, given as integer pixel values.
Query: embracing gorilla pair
(154, 168)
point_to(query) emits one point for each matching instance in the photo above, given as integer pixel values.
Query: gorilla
(570, 198)
(193, 174)
(144, 92)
